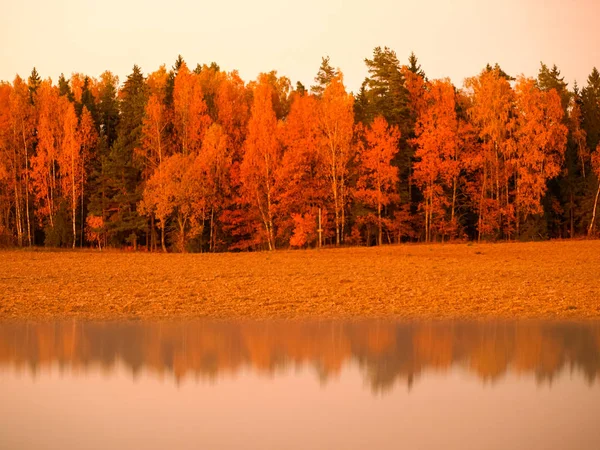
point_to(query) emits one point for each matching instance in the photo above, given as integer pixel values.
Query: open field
(528, 280)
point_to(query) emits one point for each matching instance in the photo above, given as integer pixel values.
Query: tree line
(199, 160)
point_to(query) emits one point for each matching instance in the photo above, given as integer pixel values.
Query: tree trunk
(379, 232)
(211, 246)
(149, 237)
(591, 227)
(337, 213)
(182, 223)
(517, 214)
(27, 189)
(270, 217)
(427, 218)
(52, 184)
(343, 208)
(498, 201)
(335, 190)
(572, 213)
(73, 199)
(452, 213)
(320, 230)
(82, 209)
(152, 233)
(480, 218)
(162, 234)
(18, 213)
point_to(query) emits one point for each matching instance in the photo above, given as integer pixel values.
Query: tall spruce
(361, 104)
(414, 66)
(108, 107)
(123, 176)
(300, 89)
(88, 100)
(171, 79)
(384, 94)
(64, 88)
(496, 67)
(108, 120)
(324, 76)
(590, 109)
(34, 83)
(590, 98)
(550, 78)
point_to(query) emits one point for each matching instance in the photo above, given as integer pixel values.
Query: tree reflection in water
(386, 352)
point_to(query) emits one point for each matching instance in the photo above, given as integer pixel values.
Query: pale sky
(453, 38)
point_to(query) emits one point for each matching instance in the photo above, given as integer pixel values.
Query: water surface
(278, 385)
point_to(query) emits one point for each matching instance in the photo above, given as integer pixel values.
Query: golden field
(510, 280)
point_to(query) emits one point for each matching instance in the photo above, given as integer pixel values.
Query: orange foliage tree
(154, 147)
(540, 140)
(156, 200)
(491, 113)
(302, 183)
(437, 164)
(22, 124)
(378, 179)
(336, 129)
(70, 160)
(175, 191)
(44, 166)
(190, 114)
(6, 160)
(261, 159)
(64, 147)
(215, 161)
(233, 111)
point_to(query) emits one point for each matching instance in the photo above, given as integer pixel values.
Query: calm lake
(291, 385)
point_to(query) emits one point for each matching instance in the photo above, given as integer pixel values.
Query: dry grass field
(514, 280)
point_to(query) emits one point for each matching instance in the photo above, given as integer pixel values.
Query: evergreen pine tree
(489, 68)
(550, 79)
(361, 104)
(108, 109)
(414, 66)
(64, 88)
(171, 80)
(34, 82)
(385, 90)
(324, 76)
(590, 105)
(384, 93)
(122, 176)
(88, 100)
(590, 111)
(300, 89)
(108, 119)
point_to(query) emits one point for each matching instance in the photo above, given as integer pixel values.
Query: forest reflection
(386, 352)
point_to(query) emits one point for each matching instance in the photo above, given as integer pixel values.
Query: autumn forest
(199, 160)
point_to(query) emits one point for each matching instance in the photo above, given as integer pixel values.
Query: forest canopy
(198, 159)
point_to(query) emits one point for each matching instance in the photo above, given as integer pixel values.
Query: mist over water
(376, 384)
